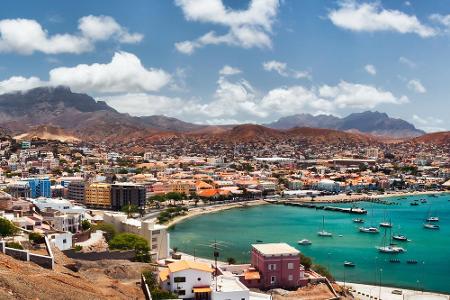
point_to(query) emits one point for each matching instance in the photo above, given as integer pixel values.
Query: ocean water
(239, 228)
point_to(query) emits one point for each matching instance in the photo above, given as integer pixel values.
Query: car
(397, 292)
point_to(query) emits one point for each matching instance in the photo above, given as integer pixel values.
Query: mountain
(374, 123)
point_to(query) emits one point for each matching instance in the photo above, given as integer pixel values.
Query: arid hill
(438, 138)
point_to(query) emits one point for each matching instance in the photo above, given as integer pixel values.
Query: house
(278, 265)
(188, 279)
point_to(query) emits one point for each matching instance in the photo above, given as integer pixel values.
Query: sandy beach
(365, 291)
(210, 209)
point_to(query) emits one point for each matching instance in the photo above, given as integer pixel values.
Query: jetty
(349, 210)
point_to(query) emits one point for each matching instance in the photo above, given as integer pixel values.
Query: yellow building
(98, 195)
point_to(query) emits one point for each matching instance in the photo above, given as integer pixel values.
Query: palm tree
(231, 260)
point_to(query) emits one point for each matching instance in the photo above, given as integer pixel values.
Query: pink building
(278, 265)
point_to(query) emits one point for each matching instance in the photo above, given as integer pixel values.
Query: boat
(369, 229)
(433, 219)
(386, 224)
(411, 261)
(414, 203)
(259, 241)
(304, 242)
(400, 237)
(423, 200)
(391, 248)
(431, 226)
(358, 220)
(324, 233)
(394, 260)
(349, 264)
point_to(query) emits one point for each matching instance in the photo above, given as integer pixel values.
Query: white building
(188, 279)
(62, 240)
(155, 234)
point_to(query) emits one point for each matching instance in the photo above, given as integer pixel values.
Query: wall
(91, 256)
(25, 255)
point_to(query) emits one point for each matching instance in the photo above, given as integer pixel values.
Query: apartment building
(127, 194)
(76, 190)
(98, 195)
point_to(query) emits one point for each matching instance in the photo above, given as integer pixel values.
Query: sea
(235, 230)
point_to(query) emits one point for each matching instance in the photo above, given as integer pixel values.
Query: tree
(109, 231)
(130, 209)
(130, 241)
(85, 225)
(305, 261)
(152, 283)
(7, 228)
(36, 238)
(231, 260)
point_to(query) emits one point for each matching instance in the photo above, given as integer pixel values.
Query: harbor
(420, 267)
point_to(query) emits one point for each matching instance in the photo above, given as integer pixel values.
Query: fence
(25, 255)
(145, 289)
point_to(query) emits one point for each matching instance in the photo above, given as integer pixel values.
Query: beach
(197, 211)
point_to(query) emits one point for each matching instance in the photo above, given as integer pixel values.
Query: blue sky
(233, 61)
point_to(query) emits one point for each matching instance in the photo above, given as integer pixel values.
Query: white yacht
(304, 242)
(369, 229)
(324, 233)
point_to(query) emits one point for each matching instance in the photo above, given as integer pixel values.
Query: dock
(348, 210)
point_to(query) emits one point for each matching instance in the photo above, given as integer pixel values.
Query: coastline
(197, 211)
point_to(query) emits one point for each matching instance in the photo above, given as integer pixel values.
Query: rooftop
(187, 264)
(275, 249)
(228, 284)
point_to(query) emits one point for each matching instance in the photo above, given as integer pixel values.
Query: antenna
(216, 246)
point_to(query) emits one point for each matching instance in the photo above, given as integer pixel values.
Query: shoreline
(341, 198)
(212, 209)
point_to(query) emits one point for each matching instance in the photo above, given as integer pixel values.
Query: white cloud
(355, 95)
(105, 27)
(407, 62)
(282, 69)
(416, 86)
(370, 69)
(26, 36)
(125, 73)
(227, 70)
(372, 17)
(19, 83)
(246, 28)
(428, 124)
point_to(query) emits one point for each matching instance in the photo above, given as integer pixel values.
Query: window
(273, 279)
(199, 279)
(64, 241)
(272, 267)
(290, 266)
(181, 292)
(290, 277)
(179, 279)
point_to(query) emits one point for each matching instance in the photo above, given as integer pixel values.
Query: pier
(348, 210)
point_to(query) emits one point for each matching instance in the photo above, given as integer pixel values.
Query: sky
(236, 61)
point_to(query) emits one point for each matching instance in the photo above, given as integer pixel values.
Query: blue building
(39, 187)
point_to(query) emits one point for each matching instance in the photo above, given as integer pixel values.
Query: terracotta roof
(164, 274)
(187, 264)
(251, 275)
(207, 193)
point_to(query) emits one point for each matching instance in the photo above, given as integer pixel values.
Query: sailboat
(323, 232)
(370, 229)
(400, 237)
(391, 248)
(431, 219)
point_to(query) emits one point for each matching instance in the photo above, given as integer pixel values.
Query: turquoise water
(239, 228)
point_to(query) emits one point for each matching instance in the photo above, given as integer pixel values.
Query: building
(39, 187)
(19, 189)
(278, 265)
(98, 195)
(188, 279)
(76, 190)
(372, 153)
(127, 194)
(155, 234)
(328, 185)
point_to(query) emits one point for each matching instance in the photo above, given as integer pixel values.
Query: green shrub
(305, 261)
(77, 248)
(322, 270)
(129, 241)
(7, 228)
(14, 245)
(36, 238)
(85, 225)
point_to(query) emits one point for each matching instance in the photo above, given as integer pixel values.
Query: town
(94, 202)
